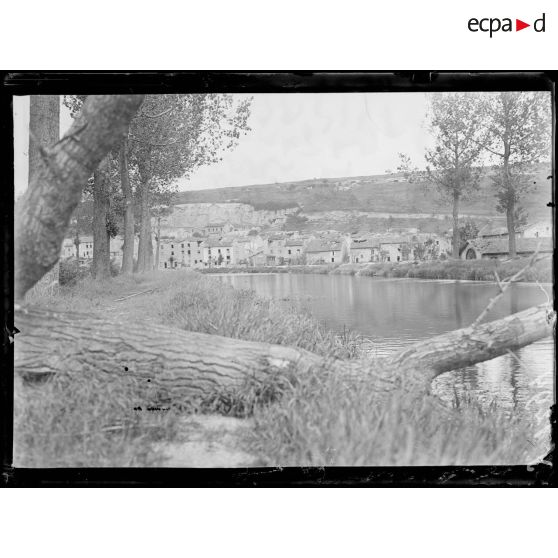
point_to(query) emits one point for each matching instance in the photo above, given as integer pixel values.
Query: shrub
(71, 272)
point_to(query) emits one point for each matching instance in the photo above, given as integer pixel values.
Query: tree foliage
(453, 164)
(519, 129)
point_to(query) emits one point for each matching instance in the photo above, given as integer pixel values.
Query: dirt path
(210, 441)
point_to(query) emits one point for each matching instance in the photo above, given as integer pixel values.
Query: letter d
(535, 25)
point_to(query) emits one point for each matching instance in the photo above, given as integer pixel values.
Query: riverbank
(464, 270)
(86, 419)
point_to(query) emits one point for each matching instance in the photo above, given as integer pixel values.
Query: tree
(44, 131)
(100, 268)
(44, 128)
(100, 187)
(128, 246)
(519, 127)
(170, 137)
(452, 165)
(54, 192)
(467, 231)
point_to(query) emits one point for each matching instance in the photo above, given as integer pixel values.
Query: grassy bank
(77, 419)
(464, 270)
(322, 269)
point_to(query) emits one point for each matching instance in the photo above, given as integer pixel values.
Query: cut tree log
(187, 364)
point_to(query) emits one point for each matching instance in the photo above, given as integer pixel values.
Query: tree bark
(128, 248)
(44, 128)
(510, 221)
(158, 247)
(54, 192)
(187, 364)
(455, 240)
(145, 249)
(100, 268)
(44, 131)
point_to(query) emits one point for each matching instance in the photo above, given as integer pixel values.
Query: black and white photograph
(283, 279)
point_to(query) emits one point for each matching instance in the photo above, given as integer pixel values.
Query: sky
(296, 136)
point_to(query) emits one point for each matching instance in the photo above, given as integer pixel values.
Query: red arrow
(519, 25)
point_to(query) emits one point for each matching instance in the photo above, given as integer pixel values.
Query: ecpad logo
(493, 25)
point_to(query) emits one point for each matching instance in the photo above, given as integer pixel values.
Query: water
(393, 313)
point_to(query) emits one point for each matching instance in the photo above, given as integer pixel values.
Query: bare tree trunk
(44, 131)
(158, 249)
(100, 268)
(456, 239)
(44, 128)
(145, 248)
(43, 216)
(510, 220)
(187, 364)
(128, 248)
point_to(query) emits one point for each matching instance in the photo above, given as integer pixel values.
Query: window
(172, 253)
(172, 245)
(183, 245)
(289, 252)
(165, 265)
(188, 252)
(333, 260)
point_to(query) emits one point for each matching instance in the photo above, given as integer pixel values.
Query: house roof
(323, 246)
(295, 242)
(392, 240)
(217, 244)
(501, 246)
(364, 243)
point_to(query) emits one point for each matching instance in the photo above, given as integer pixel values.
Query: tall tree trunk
(144, 260)
(128, 248)
(510, 200)
(158, 249)
(510, 219)
(44, 213)
(100, 268)
(456, 239)
(44, 129)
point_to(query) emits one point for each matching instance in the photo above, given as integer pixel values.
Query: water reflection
(393, 313)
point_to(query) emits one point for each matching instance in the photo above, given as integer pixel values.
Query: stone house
(323, 251)
(218, 253)
(498, 248)
(541, 229)
(175, 253)
(364, 250)
(293, 251)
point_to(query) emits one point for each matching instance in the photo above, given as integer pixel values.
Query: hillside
(390, 194)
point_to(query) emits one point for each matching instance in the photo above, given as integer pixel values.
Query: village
(221, 245)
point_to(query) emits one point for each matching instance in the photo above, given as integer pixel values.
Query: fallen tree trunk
(189, 364)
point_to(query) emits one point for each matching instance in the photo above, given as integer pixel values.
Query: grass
(75, 419)
(322, 421)
(467, 270)
(464, 270)
(322, 269)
